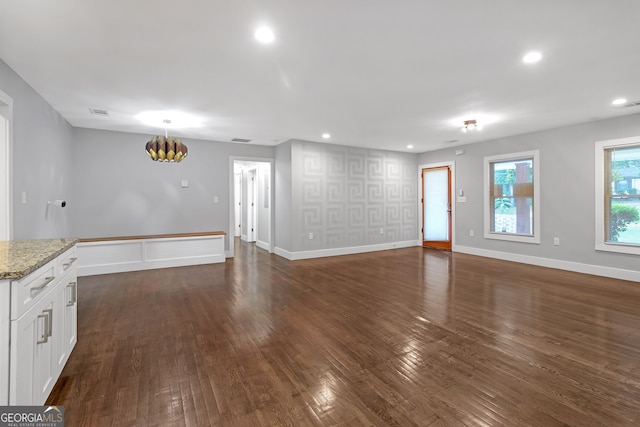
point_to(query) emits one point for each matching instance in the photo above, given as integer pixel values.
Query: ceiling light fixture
(264, 35)
(409, 146)
(179, 119)
(532, 57)
(165, 148)
(326, 135)
(619, 101)
(470, 125)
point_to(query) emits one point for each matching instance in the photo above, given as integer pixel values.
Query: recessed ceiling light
(532, 57)
(326, 135)
(409, 146)
(619, 101)
(264, 35)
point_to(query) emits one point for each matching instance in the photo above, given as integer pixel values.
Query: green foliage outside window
(621, 217)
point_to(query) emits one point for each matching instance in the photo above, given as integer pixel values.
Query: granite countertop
(20, 257)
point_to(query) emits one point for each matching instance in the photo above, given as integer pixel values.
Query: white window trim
(535, 238)
(601, 244)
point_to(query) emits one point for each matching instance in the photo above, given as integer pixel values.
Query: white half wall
(116, 256)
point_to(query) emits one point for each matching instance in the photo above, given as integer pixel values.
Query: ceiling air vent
(240, 140)
(98, 112)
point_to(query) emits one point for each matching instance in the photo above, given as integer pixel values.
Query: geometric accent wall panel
(348, 194)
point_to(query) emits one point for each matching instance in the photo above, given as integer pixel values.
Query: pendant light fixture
(165, 148)
(470, 125)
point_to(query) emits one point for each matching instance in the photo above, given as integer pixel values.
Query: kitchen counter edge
(18, 258)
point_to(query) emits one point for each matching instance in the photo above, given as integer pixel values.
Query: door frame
(6, 181)
(452, 166)
(232, 219)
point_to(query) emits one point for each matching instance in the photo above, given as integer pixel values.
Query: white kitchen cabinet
(65, 327)
(43, 328)
(33, 366)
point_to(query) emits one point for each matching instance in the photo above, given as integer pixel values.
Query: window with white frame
(618, 195)
(512, 197)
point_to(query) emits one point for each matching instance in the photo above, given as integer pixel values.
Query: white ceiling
(373, 73)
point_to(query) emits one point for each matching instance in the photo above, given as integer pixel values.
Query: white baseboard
(293, 256)
(597, 270)
(116, 256)
(263, 245)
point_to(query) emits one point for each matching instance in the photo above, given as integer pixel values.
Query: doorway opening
(437, 207)
(252, 216)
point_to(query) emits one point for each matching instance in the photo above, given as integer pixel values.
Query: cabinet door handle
(47, 280)
(74, 293)
(45, 329)
(68, 264)
(49, 312)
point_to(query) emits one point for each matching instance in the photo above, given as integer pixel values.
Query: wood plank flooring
(395, 338)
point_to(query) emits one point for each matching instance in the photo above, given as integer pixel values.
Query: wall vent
(240, 140)
(98, 112)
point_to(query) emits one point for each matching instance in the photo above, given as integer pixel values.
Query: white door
(251, 206)
(238, 203)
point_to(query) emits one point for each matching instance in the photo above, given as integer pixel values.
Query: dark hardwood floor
(395, 338)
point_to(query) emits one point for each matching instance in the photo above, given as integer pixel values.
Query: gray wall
(119, 191)
(567, 190)
(42, 141)
(284, 208)
(346, 195)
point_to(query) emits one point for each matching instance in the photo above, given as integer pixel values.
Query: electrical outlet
(24, 197)
(310, 236)
(556, 241)
(382, 231)
(472, 233)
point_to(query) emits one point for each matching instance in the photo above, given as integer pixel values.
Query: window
(512, 201)
(618, 195)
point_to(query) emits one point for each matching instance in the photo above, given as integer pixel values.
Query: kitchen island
(38, 316)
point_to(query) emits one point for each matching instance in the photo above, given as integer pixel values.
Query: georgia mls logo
(55, 411)
(31, 416)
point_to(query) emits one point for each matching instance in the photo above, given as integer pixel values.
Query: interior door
(237, 190)
(436, 207)
(251, 206)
